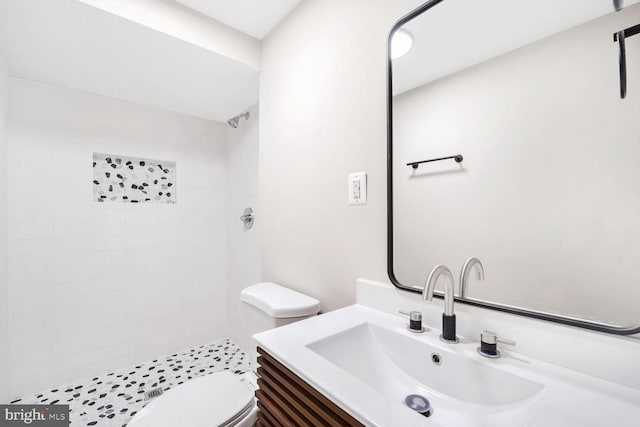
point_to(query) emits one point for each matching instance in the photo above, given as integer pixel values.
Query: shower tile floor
(111, 400)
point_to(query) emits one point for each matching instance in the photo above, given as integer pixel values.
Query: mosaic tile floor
(111, 400)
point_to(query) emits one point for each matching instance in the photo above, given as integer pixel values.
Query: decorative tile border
(133, 180)
(111, 400)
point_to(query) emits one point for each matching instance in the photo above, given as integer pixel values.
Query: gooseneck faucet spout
(448, 317)
(466, 272)
(430, 286)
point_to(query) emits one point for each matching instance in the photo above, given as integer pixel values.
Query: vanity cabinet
(284, 399)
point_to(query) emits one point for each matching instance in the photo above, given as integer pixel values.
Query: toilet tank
(268, 305)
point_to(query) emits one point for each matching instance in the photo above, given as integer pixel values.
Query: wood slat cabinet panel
(285, 400)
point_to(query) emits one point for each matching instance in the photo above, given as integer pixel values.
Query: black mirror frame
(600, 327)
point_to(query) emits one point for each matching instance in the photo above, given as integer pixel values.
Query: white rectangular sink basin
(398, 365)
(367, 362)
(458, 387)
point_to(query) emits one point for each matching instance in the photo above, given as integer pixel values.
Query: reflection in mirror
(548, 194)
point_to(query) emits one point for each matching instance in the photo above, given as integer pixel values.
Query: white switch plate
(358, 188)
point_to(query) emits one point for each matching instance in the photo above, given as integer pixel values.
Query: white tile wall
(94, 287)
(4, 344)
(244, 245)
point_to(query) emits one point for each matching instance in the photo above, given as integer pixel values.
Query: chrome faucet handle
(489, 344)
(415, 321)
(505, 341)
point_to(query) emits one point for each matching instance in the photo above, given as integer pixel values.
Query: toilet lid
(279, 302)
(219, 399)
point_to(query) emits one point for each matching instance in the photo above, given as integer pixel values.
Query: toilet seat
(217, 400)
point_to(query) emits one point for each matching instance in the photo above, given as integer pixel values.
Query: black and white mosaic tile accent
(111, 400)
(133, 180)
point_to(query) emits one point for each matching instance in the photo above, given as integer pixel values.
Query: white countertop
(569, 398)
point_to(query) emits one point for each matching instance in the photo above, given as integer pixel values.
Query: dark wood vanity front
(284, 399)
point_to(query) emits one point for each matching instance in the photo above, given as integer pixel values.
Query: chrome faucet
(448, 317)
(466, 271)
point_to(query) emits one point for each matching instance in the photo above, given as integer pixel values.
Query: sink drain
(419, 404)
(436, 359)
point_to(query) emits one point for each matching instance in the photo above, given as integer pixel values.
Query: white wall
(547, 196)
(4, 331)
(94, 287)
(243, 249)
(323, 115)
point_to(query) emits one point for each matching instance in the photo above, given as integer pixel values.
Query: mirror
(546, 191)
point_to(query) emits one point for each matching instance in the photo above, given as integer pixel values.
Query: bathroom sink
(457, 386)
(367, 362)
(399, 365)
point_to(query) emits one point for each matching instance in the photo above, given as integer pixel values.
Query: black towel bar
(458, 158)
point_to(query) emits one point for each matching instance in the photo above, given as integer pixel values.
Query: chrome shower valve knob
(247, 218)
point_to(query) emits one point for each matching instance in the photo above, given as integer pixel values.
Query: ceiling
(71, 44)
(254, 17)
(457, 34)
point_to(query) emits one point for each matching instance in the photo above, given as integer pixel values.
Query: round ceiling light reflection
(401, 43)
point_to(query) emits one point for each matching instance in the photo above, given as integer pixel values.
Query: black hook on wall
(620, 37)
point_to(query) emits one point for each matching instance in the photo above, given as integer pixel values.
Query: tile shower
(100, 287)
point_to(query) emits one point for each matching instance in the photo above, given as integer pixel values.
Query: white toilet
(225, 399)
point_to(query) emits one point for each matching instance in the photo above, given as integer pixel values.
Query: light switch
(358, 188)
